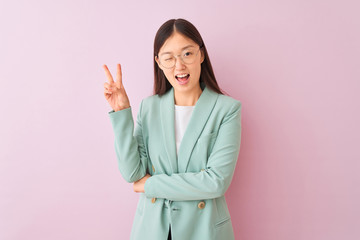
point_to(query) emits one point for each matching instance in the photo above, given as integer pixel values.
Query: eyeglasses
(188, 56)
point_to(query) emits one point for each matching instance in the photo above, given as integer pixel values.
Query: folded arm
(215, 179)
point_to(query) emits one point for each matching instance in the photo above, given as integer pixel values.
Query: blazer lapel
(167, 113)
(198, 119)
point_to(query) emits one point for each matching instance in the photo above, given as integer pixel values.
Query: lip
(184, 82)
(181, 74)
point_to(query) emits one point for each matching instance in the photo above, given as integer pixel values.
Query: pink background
(294, 65)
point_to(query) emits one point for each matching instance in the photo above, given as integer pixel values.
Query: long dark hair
(184, 27)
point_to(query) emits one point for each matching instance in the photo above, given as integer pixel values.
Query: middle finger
(108, 74)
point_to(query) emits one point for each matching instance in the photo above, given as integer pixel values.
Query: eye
(168, 59)
(188, 54)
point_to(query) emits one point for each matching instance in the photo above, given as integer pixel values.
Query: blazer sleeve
(129, 144)
(215, 179)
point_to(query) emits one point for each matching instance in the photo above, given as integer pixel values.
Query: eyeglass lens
(188, 56)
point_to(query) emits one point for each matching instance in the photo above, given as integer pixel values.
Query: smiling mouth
(183, 79)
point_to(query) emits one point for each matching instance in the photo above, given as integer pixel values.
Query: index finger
(119, 74)
(108, 74)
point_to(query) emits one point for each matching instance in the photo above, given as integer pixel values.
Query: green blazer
(184, 191)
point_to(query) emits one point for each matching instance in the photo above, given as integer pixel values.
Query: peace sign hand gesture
(115, 92)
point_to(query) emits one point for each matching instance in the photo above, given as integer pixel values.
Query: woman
(181, 155)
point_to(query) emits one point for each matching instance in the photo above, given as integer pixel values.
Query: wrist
(119, 109)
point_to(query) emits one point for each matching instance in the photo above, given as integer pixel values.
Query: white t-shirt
(182, 117)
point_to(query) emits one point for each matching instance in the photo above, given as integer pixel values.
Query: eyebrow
(181, 49)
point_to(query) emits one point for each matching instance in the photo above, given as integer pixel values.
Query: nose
(179, 63)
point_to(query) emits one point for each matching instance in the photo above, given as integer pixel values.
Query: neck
(186, 98)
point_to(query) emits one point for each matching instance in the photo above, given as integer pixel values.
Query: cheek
(169, 75)
(196, 70)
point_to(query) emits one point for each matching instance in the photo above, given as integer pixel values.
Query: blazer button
(201, 205)
(153, 168)
(153, 200)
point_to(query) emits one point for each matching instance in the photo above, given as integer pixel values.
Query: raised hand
(115, 92)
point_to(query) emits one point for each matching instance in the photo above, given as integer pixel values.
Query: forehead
(176, 42)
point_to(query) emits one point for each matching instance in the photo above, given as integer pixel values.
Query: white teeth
(182, 75)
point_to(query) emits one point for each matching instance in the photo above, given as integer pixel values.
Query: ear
(202, 56)
(158, 63)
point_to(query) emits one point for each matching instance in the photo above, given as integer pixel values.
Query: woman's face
(180, 46)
